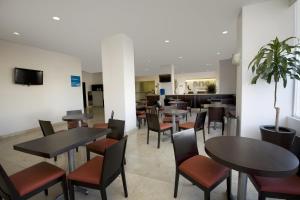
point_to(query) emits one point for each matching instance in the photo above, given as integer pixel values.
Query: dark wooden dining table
(78, 117)
(251, 156)
(174, 112)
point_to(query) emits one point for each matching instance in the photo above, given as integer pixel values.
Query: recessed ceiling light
(167, 41)
(225, 32)
(180, 57)
(16, 33)
(56, 18)
(218, 53)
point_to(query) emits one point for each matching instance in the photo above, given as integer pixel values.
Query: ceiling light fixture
(225, 32)
(167, 41)
(16, 33)
(55, 18)
(218, 53)
(180, 57)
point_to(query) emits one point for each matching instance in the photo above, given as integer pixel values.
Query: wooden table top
(252, 156)
(59, 143)
(84, 116)
(174, 111)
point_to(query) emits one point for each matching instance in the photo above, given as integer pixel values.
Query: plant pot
(283, 138)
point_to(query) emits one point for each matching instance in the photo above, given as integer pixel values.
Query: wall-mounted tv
(28, 76)
(165, 78)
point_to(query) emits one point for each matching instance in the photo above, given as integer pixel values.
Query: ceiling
(194, 28)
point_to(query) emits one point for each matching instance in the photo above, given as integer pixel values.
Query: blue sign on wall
(162, 91)
(75, 81)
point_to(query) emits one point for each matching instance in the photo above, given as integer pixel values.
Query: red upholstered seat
(140, 112)
(286, 185)
(203, 170)
(164, 126)
(100, 145)
(187, 125)
(101, 125)
(90, 172)
(35, 177)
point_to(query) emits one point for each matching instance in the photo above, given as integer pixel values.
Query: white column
(118, 79)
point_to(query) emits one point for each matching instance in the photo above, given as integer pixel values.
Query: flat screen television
(165, 78)
(28, 76)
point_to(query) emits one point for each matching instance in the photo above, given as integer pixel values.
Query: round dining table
(251, 156)
(174, 112)
(78, 117)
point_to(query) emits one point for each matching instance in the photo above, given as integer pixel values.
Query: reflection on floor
(150, 171)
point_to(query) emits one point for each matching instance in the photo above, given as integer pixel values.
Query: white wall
(21, 106)
(227, 77)
(261, 23)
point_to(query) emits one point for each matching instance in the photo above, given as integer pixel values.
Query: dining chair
(282, 187)
(280, 138)
(104, 125)
(31, 181)
(189, 107)
(197, 125)
(155, 126)
(183, 106)
(216, 114)
(74, 124)
(99, 172)
(117, 133)
(202, 171)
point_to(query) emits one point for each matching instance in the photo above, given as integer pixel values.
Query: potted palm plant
(277, 62)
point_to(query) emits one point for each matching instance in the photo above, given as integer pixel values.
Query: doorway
(84, 95)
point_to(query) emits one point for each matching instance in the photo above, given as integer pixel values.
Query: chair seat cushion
(140, 112)
(187, 125)
(101, 125)
(286, 185)
(169, 119)
(90, 172)
(72, 124)
(100, 145)
(35, 177)
(203, 170)
(164, 126)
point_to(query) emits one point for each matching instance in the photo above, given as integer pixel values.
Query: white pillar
(118, 79)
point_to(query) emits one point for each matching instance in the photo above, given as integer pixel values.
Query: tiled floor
(150, 171)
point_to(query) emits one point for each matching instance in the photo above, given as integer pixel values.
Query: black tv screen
(164, 78)
(28, 76)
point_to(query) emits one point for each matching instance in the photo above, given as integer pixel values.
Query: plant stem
(276, 108)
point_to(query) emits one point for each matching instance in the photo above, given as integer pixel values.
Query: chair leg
(88, 154)
(158, 142)
(55, 158)
(207, 195)
(124, 182)
(223, 125)
(139, 120)
(76, 149)
(65, 188)
(171, 135)
(46, 192)
(208, 127)
(203, 134)
(148, 136)
(71, 191)
(103, 194)
(228, 191)
(176, 184)
(261, 196)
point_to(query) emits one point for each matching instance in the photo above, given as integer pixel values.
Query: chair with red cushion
(216, 114)
(99, 172)
(31, 181)
(117, 133)
(75, 124)
(200, 170)
(280, 188)
(197, 125)
(155, 126)
(104, 125)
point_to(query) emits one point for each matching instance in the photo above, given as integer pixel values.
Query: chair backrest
(112, 114)
(46, 127)
(295, 148)
(113, 161)
(117, 129)
(74, 112)
(200, 121)
(182, 105)
(284, 140)
(216, 114)
(153, 121)
(184, 145)
(152, 110)
(7, 189)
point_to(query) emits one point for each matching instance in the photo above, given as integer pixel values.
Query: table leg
(174, 123)
(242, 186)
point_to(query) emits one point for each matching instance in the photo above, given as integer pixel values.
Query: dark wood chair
(31, 181)
(155, 126)
(74, 124)
(48, 129)
(183, 106)
(189, 107)
(200, 170)
(279, 188)
(197, 125)
(117, 133)
(216, 114)
(101, 171)
(284, 140)
(104, 125)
